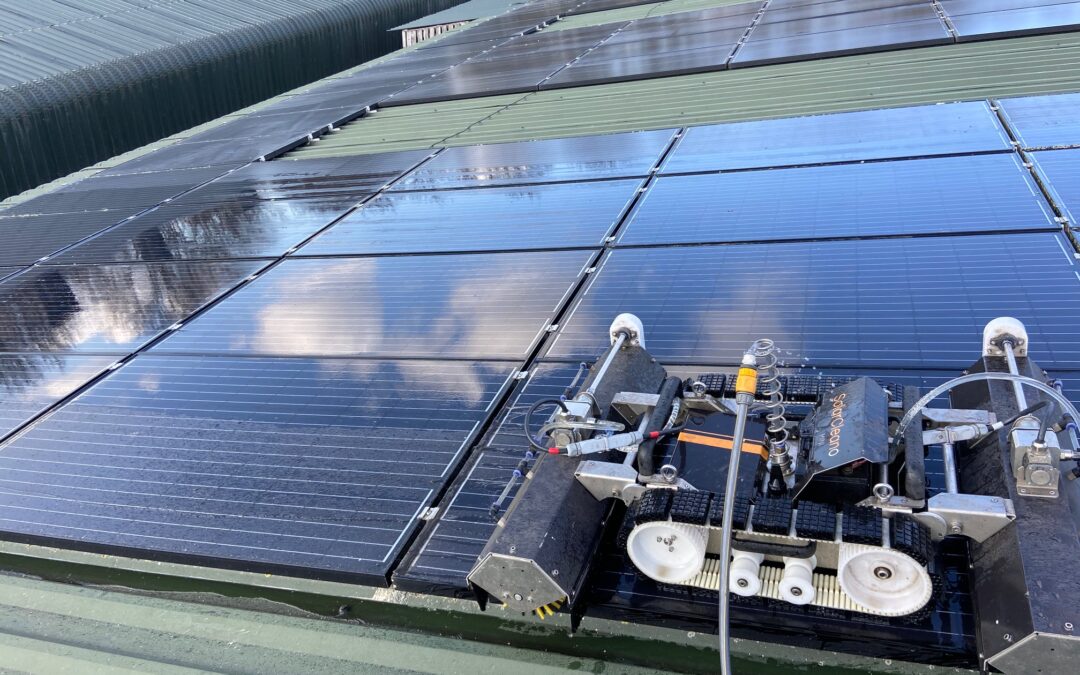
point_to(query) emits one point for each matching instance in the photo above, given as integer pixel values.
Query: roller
(667, 551)
(883, 580)
(744, 579)
(797, 584)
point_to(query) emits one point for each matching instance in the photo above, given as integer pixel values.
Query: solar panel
(837, 16)
(919, 302)
(648, 58)
(31, 383)
(920, 196)
(605, 5)
(560, 159)
(801, 9)
(460, 306)
(110, 309)
(289, 124)
(123, 195)
(870, 134)
(316, 467)
(1062, 169)
(759, 51)
(1013, 17)
(27, 239)
(681, 24)
(188, 154)
(487, 219)
(337, 177)
(1044, 121)
(205, 231)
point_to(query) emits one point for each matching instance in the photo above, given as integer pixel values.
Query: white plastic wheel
(886, 582)
(1001, 327)
(668, 552)
(631, 324)
(744, 577)
(797, 584)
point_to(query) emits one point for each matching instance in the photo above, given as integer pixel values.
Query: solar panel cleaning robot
(806, 496)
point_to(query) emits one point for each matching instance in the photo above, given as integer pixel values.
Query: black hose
(668, 391)
(528, 419)
(1026, 411)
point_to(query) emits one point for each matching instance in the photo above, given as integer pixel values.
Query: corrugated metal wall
(84, 80)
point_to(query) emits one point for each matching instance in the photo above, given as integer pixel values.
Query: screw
(671, 549)
(1068, 626)
(517, 596)
(659, 540)
(554, 573)
(742, 583)
(956, 527)
(882, 572)
(1007, 637)
(796, 591)
(513, 549)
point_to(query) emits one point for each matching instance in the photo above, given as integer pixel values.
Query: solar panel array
(310, 350)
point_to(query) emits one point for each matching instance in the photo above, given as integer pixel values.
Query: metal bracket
(957, 416)
(977, 517)
(605, 480)
(632, 406)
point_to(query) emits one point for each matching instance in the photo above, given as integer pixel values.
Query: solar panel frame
(313, 468)
(957, 194)
(886, 133)
(458, 306)
(917, 302)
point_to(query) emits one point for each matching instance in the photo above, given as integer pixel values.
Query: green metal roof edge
(968, 71)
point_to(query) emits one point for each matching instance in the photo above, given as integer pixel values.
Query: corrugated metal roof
(1042, 64)
(115, 74)
(466, 11)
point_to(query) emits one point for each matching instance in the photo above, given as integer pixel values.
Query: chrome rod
(742, 402)
(1018, 389)
(950, 468)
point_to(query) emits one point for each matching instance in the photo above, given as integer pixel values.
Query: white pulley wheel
(744, 577)
(668, 552)
(884, 581)
(797, 583)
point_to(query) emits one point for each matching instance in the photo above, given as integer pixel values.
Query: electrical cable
(528, 419)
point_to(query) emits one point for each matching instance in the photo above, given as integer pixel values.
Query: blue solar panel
(919, 302)
(487, 219)
(559, 159)
(455, 306)
(976, 21)
(322, 467)
(211, 231)
(30, 383)
(872, 134)
(1044, 121)
(107, 309)
(1062, 171)
(28, 239)
(920, 196)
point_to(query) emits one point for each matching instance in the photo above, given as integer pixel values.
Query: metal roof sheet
(1041, 64)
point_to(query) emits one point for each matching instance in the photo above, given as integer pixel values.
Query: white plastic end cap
(882, 580)
(668, 552)
(744, 577)
(631, 325)
(797, 584)
(1004, 328)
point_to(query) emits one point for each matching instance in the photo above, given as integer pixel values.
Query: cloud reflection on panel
(464, 306)
(30, 383)
(111, 309)
(246, 229)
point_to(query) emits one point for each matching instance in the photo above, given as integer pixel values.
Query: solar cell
(793, 11)
(315, 467)
(1044, 121)
(122, 195)
(828, 17)
(920, 302)
(758, 51)
(487, 219)
(337, 177)
(871, 134)
(922, 196)
(31, 383)
(193, 155)
(560, 159)
(296, 123)
(460, 306)
(111, 309)
(1062, 169)
(27, 239)
(211, 231)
